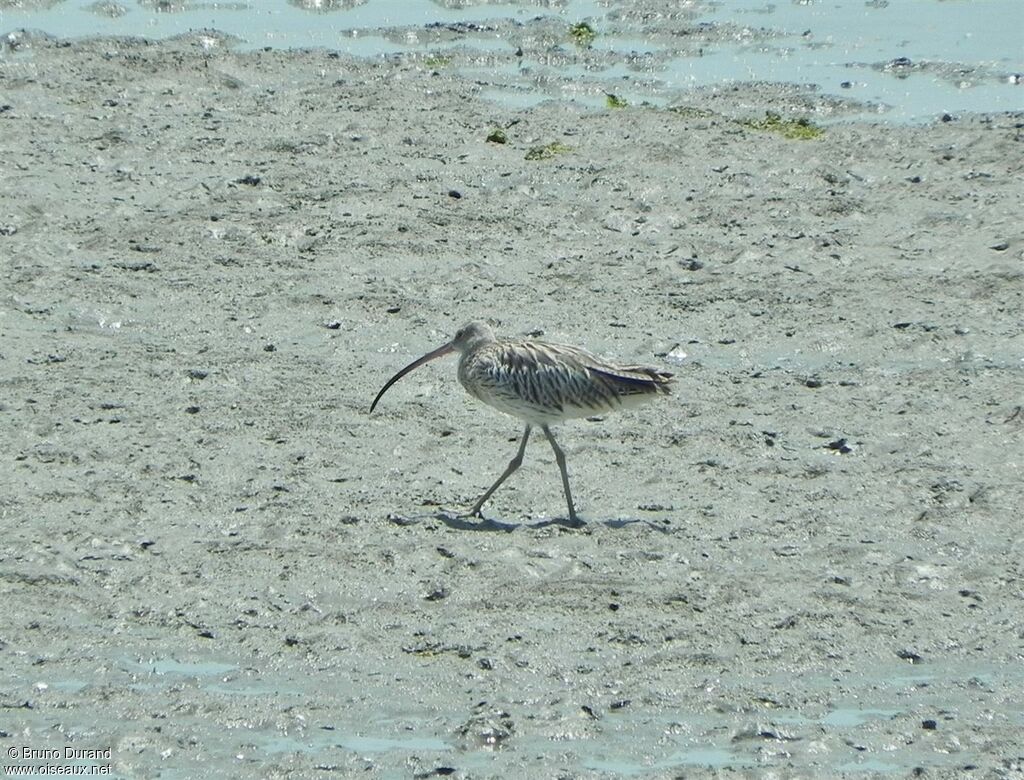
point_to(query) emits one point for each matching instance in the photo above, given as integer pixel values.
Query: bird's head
(466, 338)
(471, 334)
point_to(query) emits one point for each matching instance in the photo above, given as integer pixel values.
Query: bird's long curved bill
(439, 352)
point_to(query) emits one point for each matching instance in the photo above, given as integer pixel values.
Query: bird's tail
(637, 380)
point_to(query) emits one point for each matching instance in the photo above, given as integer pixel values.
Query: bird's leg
(513, 464)
(560, 459)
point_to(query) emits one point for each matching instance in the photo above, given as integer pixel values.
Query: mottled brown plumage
(541, 384)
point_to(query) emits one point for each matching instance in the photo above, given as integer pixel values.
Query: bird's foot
(476, 513)
(474, 520)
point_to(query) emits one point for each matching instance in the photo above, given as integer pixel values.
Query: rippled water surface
(905, 61)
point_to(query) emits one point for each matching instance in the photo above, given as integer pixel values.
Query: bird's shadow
(462, 522)
(471, 523)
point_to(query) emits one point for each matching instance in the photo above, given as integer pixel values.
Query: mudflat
(215, 562)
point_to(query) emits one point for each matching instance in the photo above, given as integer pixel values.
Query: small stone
(437, 594)
(841, 446)
(909, 655)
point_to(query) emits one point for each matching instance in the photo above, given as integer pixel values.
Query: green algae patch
(614, 101)
(437, 61)
(797, 129)
(547, 151)
(582, 34)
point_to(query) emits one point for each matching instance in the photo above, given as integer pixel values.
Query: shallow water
(949, 57)
(633, 741)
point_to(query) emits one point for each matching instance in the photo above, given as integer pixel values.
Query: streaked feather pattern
(545, 383)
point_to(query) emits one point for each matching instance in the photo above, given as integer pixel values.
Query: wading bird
(541, 384)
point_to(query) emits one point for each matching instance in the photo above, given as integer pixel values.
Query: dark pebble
(840, 446)
(437, 594)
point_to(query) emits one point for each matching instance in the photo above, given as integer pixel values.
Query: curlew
(541, 384)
